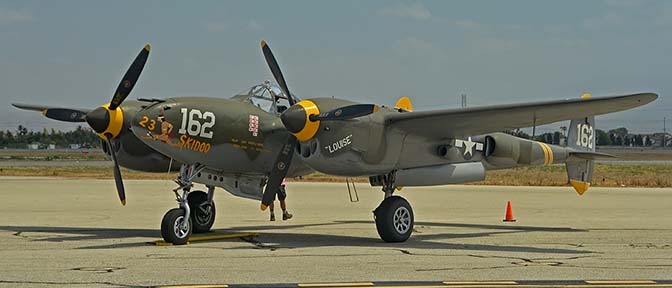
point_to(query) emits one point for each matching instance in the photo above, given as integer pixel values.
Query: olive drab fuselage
(242, 136)
(225, 135)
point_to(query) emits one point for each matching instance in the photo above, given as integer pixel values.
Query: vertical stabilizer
(581, 139)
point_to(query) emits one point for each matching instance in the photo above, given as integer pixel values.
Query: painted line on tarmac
(196, 286)
(480, 283)
(456, 284)
(353, 284)
(620, 282)
(208, 238)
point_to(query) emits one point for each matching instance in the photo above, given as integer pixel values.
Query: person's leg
(282, 195)
(285, 215)
(272, 212)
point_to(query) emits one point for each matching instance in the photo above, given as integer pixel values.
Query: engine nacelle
(441, 174)
(135, 155)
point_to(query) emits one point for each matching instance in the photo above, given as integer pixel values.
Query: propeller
(302, 120)
(107, 120)
(117, 174)
(284, 159)
(60, 114)
(65, 114)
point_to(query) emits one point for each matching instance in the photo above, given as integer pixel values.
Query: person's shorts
(282, 194)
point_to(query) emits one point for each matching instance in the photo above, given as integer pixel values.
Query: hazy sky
(73, 53)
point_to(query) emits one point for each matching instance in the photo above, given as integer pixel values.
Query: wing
(61, 114)
(458, 123)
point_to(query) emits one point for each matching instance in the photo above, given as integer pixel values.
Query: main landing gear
(196, 212)
(394, 216)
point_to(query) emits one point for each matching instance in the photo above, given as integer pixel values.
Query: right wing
(60, 114)
(464, 122)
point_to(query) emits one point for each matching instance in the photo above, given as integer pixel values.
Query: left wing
(61, 114)
(458, 123)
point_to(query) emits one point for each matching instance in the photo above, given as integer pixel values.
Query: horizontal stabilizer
(589, 155)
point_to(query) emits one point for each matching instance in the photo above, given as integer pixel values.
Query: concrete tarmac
(74, 232)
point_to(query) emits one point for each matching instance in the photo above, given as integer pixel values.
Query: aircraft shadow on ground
(276, 238)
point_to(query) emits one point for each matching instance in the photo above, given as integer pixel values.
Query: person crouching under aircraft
(282, 195)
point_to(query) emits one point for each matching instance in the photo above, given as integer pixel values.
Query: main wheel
(171, 227)
(394, 219)
(202, 214)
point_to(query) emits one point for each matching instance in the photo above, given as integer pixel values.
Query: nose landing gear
(196, 212)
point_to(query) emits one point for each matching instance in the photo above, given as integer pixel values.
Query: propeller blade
(346, 112)
(130, 78)
(66, 115)
(279, 171)
(275, 69)
(284, 159)
(60, 114)
(117, 173)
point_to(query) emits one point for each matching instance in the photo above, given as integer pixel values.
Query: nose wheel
(394, 219)
(175, 227)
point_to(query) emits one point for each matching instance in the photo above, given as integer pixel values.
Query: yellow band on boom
(550, 153)
(543, 149)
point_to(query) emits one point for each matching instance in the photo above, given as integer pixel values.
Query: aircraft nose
(98, 119)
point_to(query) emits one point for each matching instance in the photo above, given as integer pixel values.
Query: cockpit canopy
(266, 96)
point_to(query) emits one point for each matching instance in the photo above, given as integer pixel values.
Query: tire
(394, 219)
(169, 230)
(201, 220)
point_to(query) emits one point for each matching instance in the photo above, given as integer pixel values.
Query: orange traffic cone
(509, 213)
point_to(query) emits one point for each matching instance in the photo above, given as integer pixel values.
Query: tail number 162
(584, 135)
(196, 123)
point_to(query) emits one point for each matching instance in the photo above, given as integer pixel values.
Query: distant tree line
(85, 137)
(613, 137)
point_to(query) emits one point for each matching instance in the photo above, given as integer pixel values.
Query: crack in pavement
(464, 268)
(98, 269)
(521, 261)
(650, 245)
(60, 284)
(258, 244)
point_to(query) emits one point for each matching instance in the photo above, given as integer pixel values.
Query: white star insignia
(468, 146)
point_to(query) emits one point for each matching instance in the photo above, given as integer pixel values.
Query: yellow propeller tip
(263, 43)
(263, 207)
(586, 96)
(375, 108)
(148, 47)
(123, 202)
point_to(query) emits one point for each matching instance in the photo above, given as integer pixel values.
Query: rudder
(581, 139)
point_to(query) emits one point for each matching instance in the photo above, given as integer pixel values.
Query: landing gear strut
(196, 210)
(394, 216)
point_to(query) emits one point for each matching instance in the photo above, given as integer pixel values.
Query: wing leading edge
(456, 123)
